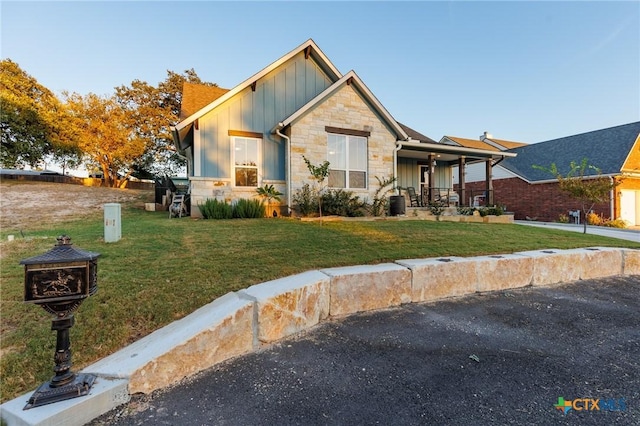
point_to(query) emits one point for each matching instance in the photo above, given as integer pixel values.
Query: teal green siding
(278, 95)
(409, 174)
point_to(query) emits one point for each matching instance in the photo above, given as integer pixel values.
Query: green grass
(163, 269)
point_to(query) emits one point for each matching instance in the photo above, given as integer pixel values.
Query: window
(347, 156)
(246, 159)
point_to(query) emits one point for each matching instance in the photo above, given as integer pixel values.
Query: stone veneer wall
(203, 188)
(344, 109)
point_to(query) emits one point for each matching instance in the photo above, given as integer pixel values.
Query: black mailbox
(59, 281)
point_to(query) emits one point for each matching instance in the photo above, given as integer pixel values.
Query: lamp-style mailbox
(59, 281)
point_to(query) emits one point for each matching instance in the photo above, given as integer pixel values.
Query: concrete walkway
(632, 234)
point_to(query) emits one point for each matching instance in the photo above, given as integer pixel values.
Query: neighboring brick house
(529, 192)
(301, 105)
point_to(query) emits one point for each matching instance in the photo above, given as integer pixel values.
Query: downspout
(612, 198)
(277, 129)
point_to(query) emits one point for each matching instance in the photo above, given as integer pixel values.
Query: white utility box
(112, 224)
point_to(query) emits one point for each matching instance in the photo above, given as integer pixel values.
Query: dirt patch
(33, 205)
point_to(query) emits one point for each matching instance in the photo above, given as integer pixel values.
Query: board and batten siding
(409, 174)
(277, 95)
(476, 172)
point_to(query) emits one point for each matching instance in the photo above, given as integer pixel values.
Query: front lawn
(163, 269)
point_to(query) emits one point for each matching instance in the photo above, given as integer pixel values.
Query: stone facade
(344, 109)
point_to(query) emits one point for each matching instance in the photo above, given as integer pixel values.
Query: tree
(585, 183)
(151, 111)
(319, 173)
(33, 121)
(104, 136)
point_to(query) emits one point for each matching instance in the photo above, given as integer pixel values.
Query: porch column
(461, 183)
(488, 183)
(430, 159)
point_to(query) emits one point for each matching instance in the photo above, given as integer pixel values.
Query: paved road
(498, 358)
(631, 234)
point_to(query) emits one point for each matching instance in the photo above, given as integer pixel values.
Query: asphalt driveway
(498, 358)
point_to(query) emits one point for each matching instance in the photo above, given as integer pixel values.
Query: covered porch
(428, 167)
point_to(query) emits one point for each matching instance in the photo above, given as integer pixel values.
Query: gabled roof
(197, 96)
(309, 47)
(606, 149)
(352, 79)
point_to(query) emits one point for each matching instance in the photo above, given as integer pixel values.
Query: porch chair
(413, 197)
(178, 206)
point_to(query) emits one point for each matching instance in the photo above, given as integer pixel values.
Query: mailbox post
(59, 281)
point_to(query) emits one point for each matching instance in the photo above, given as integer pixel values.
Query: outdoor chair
(178, 206)
(413, 197)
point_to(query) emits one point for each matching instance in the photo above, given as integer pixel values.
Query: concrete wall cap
(282, 285)
(133, 357)
(362, 269)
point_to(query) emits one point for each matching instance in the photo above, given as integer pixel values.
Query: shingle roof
(197, 96)
(414, 134)
(507, 144)
(472, 143)
(606, 149)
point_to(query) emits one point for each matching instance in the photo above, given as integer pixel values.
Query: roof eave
(350, 78)
(246, 83)
(438, 147)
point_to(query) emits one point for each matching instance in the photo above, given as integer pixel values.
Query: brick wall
(543, 201)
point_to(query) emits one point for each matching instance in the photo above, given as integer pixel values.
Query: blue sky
(523, 71)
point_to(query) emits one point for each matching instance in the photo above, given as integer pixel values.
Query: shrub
(563, 218)
(305, 200)
(248, 209)
(380, 203)
(436, 208)
(594, 219)
(615, 223)
(342, 203)
(495, 210)
(466, 211)
(214, 209)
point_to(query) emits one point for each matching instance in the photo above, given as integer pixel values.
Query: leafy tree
(319, 173)
(104, 136)
(585, 183)
(33, 121)
(150, 111)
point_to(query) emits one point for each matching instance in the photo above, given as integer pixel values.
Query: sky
(526, 71)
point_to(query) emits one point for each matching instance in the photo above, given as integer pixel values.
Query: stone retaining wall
(241, 322)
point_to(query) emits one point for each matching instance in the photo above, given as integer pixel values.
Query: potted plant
(268, 192)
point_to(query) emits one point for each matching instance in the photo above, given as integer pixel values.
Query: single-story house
(301, 105)
(531, 193)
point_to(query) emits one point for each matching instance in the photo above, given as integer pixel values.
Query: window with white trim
(246, 157)
(347, 156)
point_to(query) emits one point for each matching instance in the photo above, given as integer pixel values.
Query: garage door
(630, 206)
